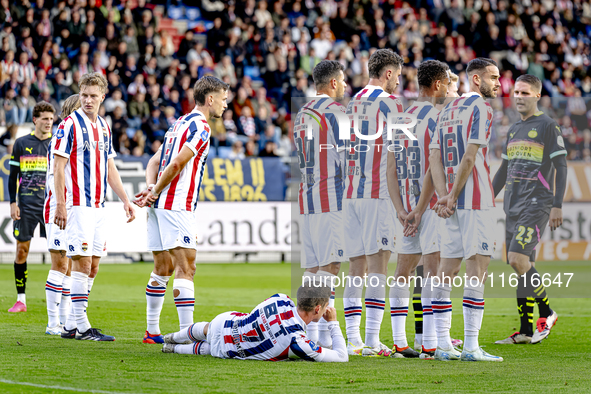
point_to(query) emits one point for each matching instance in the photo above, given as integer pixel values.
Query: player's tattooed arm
(394, 189)
(500, 177)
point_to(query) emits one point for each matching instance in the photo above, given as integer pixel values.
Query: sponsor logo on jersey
(204, 135)
(60, 133)
(532, 133)
(560, 141)
(30, 150)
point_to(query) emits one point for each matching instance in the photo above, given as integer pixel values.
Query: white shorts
(322, 238)
(369, 226)
(468, 232)
(171, 229)
(427, 239)
(215, 335)
(85, 232)
(56, 238)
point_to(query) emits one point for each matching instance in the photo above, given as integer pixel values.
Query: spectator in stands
(269, 150)
(174, 102)
(185, 46)
(237, 152)
(114, 101)
(25, 104)
(155, 127)
(246, 124)
(138, 110)
(226, 68)
(10, 108)
(26, 71)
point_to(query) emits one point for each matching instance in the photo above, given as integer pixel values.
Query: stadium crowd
(266, 50)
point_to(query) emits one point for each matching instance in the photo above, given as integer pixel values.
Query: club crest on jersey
(204, 135)
(84, 246)
(532, 133)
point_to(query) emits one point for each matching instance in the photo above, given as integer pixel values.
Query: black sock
(417, 306)
(525, 307)
(20, 277)
(539, 292)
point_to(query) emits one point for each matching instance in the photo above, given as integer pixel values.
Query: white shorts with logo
(171, 229)
(56, 238)
(427, 239)
(215, 335)
(322, 238)
(369, 226)
(85, 232)
(468, 232)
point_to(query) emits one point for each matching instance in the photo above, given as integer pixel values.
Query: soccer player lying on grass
(275, 330)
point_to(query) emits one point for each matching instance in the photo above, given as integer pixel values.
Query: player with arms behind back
(411, 190)
(57, 288)
(533, 153)
(369, 227)
(320, 197)
(174, 177)
(461, 142)
(275, 330)
(84, 165)
(28, 165)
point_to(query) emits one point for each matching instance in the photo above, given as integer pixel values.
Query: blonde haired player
(58, 278)
(84, 165)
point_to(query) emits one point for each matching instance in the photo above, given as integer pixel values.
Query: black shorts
(523, 232)
(25, 226)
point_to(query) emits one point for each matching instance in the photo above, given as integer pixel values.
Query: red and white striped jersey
(412, 156)
(321, 158)
(192, 131)
(88, 146)
(466, 120)
(274, 331)
(366, 159)
(50, 203)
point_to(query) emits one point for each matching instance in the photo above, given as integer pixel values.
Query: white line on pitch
(45, 386)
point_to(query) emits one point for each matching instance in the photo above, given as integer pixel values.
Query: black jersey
(530, 147)
(30, 154)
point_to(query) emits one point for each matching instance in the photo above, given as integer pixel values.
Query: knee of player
(93, 272)
(333, 268)
(22, 251)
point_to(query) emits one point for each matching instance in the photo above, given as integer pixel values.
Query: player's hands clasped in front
(140, 198)
(413, 220)
(555, 218)
(330, 314)
(15, 211)
(445, 207)
(61, 216)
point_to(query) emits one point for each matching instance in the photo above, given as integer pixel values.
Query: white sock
(90, 283)
(22, 298)
(53, 297)
(473, 313)
(324, 337)
(201, 348)
(441, 305)
(375, 302)
(71, 320)
(429, 339)
(79, 299)
(65, 303)
(399, 299)
(353, 308)
(312, 331)
(185, 301)
(155, 291)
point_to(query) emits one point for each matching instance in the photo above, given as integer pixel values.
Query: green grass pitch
(117, 305)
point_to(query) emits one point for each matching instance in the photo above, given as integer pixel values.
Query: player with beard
(459, 158)
(533, 153)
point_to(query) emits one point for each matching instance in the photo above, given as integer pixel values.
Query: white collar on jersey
(297, 316)
(196, 111)
(470, 94)
(323, 95)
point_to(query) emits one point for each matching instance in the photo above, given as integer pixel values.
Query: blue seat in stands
(224, 152)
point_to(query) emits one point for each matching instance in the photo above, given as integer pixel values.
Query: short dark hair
(42, 106)
(532, 81)
(381, 59)
(430, 71)
(325, 71)
(310, 296)
(479, 64)
(206, 85)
